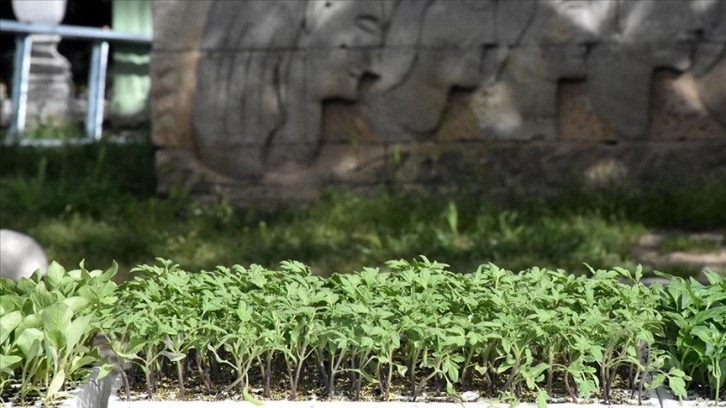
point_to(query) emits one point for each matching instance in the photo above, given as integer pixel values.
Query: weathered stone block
(653, 21)
(345, 122)
(706, 56)
(713, 19)
(513, 18)
(277, 99)
(677, 112)
(178, 24)
(459, 122)
(711, 90)
(172, 94)
(576, 119)
(547, 167)
(569, 22)
(619, 87)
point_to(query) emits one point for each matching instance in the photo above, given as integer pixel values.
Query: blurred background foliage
(98, 202)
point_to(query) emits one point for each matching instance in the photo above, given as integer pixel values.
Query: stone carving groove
(266, 68)
(277, 98)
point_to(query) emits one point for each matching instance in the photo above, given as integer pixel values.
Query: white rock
(469, 396)
(20, 255)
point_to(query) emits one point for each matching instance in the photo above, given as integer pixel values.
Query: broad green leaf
(451, 370)
(7, 304)
(56, 337)
(29, 342)
(366, 342)
(76, 330)
(715, 313)
(54, 275)
(538, 369)
(597, 352)
(295, 267)
(133, 346)
(678, 319)
(76, 274)
(458, 341)
(57, 315)
(77, 303)
(104, 370)
(55, 385)
(110, 272)
(505, 366)
(542, 398)
(41, 297)
(586, 387)
(8, 323)
(107, 293)
(714, 278)
(173, 356)
(8, 361)
(88, 293)
(80, 361)
(678, 386)
(704, 333)
(656, 382)
(675, 372)
(506, 345)
(125, 353)
(26, 286)
(167, 340)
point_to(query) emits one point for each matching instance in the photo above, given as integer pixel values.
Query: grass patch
(688, 243)
(98, 203)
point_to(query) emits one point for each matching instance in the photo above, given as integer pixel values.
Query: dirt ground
(700, 251)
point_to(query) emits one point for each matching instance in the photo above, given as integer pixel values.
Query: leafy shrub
(46, 330)
(414, 324)
(695, 328)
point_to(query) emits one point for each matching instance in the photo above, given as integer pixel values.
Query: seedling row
(410, 327)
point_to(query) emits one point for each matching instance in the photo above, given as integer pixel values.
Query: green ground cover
(98, 203)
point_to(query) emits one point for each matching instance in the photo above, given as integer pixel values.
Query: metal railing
(96, 77)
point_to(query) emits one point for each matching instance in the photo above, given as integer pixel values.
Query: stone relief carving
(548, 70)
(425, 55)
(266, 70)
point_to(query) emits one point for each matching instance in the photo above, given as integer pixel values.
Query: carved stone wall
(276, 99)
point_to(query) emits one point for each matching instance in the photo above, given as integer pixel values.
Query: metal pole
(70, 31)
(21, 75)
(96, 90)
(96, 78)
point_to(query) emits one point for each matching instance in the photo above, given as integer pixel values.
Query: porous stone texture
(275, 100)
